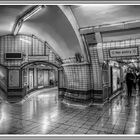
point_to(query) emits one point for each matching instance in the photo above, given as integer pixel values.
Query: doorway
(39, 75)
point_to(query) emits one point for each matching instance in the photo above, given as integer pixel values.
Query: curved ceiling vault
(103, 14)
(51, 25)
(8, 15)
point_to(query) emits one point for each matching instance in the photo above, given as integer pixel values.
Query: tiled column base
(97, 96)
(15, 92)
(15, 95)
(75, 96)
(83, 97)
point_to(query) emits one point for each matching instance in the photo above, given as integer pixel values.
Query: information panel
(116, 78)
(123, 52)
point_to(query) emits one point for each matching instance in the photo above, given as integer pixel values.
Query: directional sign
(124, 52)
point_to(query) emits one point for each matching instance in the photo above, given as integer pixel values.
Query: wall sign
(124, 52)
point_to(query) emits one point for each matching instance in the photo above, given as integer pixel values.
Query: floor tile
(45, 116)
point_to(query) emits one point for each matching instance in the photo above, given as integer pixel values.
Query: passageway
(43, 113)
(63, 69)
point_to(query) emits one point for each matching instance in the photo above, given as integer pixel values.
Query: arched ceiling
(51, 24)
(94, 15)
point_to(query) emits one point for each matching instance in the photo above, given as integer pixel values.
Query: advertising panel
(14, 78)
(116, 78)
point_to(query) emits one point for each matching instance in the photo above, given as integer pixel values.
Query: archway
(39, 74)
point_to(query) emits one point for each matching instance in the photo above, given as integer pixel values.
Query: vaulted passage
(69, 69)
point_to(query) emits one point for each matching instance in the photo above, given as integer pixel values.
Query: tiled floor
(42, 113)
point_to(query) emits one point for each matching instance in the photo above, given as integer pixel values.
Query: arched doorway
(39, 74)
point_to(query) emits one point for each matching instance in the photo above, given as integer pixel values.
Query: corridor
(43, 113)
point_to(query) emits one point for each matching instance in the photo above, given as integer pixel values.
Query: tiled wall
(75, 82)
(119, 44)
(77, 77)
(80, 77)
(96, 74)
(28, 45)
(96, 68)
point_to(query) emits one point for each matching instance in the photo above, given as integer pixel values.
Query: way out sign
(124, 52)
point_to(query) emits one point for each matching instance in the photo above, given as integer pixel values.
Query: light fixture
(26, 16)
(24, 40)
(42, 65)
(132, 60)
(33, 12)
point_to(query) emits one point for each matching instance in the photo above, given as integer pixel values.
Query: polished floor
(44, 114)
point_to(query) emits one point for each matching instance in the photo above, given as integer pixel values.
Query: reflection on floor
(42, 113)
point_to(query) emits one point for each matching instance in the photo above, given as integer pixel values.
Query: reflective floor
(42, 113)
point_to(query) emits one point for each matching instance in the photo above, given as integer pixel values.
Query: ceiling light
(132, 60)
(19, 22)
(24, 40)
(30, 14)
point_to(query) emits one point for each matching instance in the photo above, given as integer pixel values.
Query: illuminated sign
(124, 52)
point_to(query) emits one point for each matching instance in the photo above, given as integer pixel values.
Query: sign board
(38, 58)
(123, 52)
